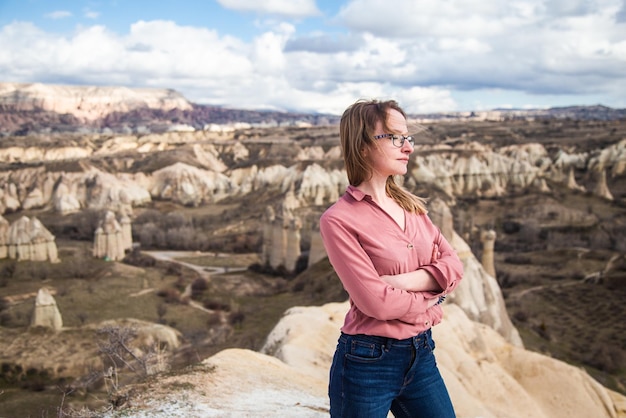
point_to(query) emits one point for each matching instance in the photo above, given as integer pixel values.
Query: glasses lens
(398, 140)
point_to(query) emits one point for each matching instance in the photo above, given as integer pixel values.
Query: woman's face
(387, 159)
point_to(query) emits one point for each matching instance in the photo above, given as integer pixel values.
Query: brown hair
(356, 130)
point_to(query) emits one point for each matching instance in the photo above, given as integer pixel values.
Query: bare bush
(198, 287)
(170, 295)
(607, 358)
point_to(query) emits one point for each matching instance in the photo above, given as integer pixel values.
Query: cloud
(566, 47)
(59, 14)
(324, 43)
(286, 8)
(427, 55)
(90, 14)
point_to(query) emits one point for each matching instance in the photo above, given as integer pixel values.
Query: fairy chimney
(46, 312)
(488, 239)
(127, 233)
(109, 239)
(571, 181)
(602, 189)
(4, 238)
(317, 251)
(281, 235)
(29, 240)
(268, 230)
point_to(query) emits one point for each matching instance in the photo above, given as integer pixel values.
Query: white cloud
(59, 14)
(90, 14)
(287, 8)
(428, 55)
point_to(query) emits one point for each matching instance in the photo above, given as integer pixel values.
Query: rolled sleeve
(446, 267)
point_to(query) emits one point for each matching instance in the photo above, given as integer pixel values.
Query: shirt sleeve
(446, 266)
(359, 277)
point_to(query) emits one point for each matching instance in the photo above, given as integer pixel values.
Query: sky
(322, 55)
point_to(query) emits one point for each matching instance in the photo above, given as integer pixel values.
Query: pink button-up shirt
(363, 243)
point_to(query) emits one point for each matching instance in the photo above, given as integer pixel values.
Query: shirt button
(409, 246)
(427, 322)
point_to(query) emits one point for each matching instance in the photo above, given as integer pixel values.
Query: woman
(396, 267)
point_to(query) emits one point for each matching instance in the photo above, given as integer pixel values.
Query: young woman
(396, 267)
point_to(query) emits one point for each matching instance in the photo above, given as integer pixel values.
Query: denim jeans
(371, 376)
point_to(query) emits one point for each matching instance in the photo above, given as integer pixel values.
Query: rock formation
(601, 189)
(486, 375)
(46, 313)
(281, 235)
(4, 238)
(28, 240)
(87, 103)
(571, 181)
(317, 251)
(189, 185)
(209, 169)
(479, 294)
(488, 239)
(112, 239)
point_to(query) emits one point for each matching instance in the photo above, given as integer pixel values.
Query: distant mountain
(35, 108)
(597, 112)
(27, 109)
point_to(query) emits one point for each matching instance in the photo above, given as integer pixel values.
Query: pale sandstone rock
(28, 240)
(189, 185)
(118, 144)
(238, 151)
(466, 169)
(333, 154)
(8, 201)
(46, 313)
(4, 238)
(108, 191)
(65, 196)
(209, 157)
(488, 239)
(612, 159)
(601, 189)
(88, 102)
(34, 200)
(18, 154)
(486, 375)
(316, 251)
(570, 183)
(321, 187)
(147, 334)
(479, 295)
(110, 240)
(234, 383)
(310, 154)
(244, 178)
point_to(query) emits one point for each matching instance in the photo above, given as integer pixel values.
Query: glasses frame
(395, 138)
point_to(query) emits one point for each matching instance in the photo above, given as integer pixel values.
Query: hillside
(551, 188)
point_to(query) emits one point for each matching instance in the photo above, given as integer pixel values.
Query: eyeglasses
(397, 140)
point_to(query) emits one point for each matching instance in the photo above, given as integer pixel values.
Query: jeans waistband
(388, 341)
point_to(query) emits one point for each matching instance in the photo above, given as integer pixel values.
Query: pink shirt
(363, 243)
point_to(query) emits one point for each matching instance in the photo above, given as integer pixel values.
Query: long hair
(356, 131)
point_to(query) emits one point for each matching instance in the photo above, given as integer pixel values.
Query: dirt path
(204, 271)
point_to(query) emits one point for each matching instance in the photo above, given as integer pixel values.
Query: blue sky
(320, 56)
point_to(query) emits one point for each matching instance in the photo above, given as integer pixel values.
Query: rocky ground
(563, 277)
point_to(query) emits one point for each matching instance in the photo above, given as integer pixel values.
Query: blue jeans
(371, 376)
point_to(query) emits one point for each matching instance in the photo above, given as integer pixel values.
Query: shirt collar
(356, 194)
